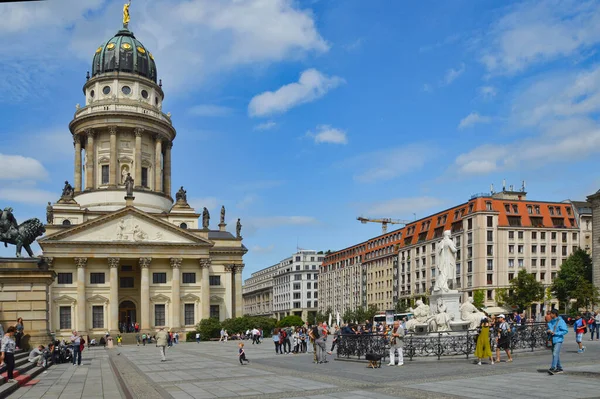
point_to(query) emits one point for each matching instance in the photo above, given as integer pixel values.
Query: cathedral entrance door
(127, 316)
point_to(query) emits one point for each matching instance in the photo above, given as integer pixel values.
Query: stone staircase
(24, 373)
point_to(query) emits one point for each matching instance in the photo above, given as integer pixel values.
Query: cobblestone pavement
(211, 370)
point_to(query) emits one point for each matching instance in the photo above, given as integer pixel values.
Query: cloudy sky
(301, 115)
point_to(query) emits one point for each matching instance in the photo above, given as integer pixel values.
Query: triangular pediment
(97, 299)
(65, 299)
(160, 298)
(190, 297)
(128, 225)
(215, 298)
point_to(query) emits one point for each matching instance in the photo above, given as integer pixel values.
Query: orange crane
(384, 222)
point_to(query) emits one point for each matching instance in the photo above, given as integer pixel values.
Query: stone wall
(594, 199)
(24, 292)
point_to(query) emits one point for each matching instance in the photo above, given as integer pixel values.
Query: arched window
(66, 222)
(183, 225)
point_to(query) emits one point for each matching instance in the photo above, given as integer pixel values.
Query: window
(316, 277)
(520, 235)
(489, 294)
(543, 235)
(552, 276)
(126, 90)
(297, 286)
(469, 267)
(511, 263)
(308, 294)
(564, 251)
(574, 235)
(511, 235)
(315, 286)
(542, 276)
(105, 174)
(553, 249)
(490, 264)
(126, 268)
(490, 279)
(159, 315)
(308, 276)
(215, 312)
(97, 278)
(490, 235)
(469, 224)
(533, 262)
(529, 209)
(534, 235)
(521, 263)
(65, 278)
(65, 317)
(297, 267)
(214, 280)
(553, 235)
(543, 249)
(564, 237)
(297, 259)
(183, 226)
(507, 208)
(188, 314)
(490, 221)
(297, 277)
(106, 89)
(511, 249)
(534, 249)
(316, 295)
(537, 209)
(488, 206)
(490, 250)
(511, 276)
(66, 222)
(189, 278)
(126, 282)
(553, 262)
(514, 221)
(98, 316)
(297, 305)
(145, 95)
(144, 177)
(308, 285)
(543, 262)
(159, 278)
(520, 249)
(551, 210)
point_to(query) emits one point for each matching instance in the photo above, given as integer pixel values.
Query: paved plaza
(211, 370)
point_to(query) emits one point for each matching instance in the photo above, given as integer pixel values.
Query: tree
(349, 316)
(291, 321)
(360, 315)
(501, 296)
(209, 328)
(478, 298)
(525, 290)
(371, 312)
(574, 281)
(401, 306)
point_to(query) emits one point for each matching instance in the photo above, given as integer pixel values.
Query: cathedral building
(124, 251)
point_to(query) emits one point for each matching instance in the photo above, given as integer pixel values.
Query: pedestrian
(580, 328)
(119, 340)
(76, 346)
(162, 340)
(597, 323)
(19, 332)
(557, 328)
(396, 338)
(197, 337)
(320, 342)
(242, 354)
(483, 349)
(144, 339)
(137, 338)
(336, 335)
(591, 323)
(277, 341)
(503, 339)
(7, 352)
(222, 335)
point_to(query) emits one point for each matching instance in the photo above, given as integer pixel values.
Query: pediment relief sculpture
(160, 298)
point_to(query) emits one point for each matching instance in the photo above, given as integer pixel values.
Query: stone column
(594, 199)
(81, 301)
(176, 300)
(227, 282)
(167, 169)
(90, 151)
(77, 143)
(205, 291)
(145, 293)
(157, 164)
(138, 156)
(113, 314)
(112, 177)
(237, 293)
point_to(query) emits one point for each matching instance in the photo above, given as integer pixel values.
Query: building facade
(123, 250)
(496, 235)
(291, 286)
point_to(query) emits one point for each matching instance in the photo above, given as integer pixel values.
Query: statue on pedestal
(129, 185)
(238, 229)
(19, 235)
(420, 315)
(441, 319)
(205, 218)
(49, 213)
(222, 215)
(67, 192)
(468, 312)
(181, 195)
(446, 263)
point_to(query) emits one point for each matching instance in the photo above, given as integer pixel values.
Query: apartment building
(496, 234)
(289, 287)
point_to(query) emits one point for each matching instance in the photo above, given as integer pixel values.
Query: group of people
(499, 329)
(9, 344)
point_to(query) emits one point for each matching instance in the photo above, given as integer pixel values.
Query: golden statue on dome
(126, 14)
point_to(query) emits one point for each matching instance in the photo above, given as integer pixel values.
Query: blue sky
(299, 116)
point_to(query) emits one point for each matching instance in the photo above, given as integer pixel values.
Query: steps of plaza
(24, 372)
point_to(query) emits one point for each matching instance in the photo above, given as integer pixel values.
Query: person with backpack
(580, 327)
(557, 328)
(591, 322)
(503, 339)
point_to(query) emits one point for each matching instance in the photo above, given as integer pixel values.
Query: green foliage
(479, 298)
(525, 290)
(501, 296)
(209, 328)
(190, 336)
(360, 315)
(574, 281)
(401, 306)
(290, 321)
(349, 316)
(371, 312)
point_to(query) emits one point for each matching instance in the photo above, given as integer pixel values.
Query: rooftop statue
(68, 191)
(181, 195)
(222, 214)
(129, 185)
(126, 14)
(20, 235)
(205, 218)
(238, 229)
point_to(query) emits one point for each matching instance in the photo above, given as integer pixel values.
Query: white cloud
(311, 86)
(328, 134)
(488, 92)
(263, 250)
(398, 208)
(390, 163)
(452, 74)
(245, 202)
(190, 40)
(278, 221)
(26, 195)
(210, 110)
(265, 126)
(534, 32)
(482, 160)
(17, 167)
(473, 119)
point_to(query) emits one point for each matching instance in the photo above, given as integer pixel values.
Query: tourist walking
(255, 336)
(396, 338)
(320, 336)
(20, 329)
(336, 335)
(162, 340)
(580, 328)
(557, 328)
(483, 349)
(76, 346)
(7, 352)
(277, 341)
(197, 337)
(503, 339)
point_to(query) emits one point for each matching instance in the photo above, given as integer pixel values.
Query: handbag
(549, 343)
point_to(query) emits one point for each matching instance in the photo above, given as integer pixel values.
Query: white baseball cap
(501, 316)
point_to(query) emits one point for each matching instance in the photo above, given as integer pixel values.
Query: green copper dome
(124, 53)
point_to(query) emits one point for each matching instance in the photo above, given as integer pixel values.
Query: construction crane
(384, 222)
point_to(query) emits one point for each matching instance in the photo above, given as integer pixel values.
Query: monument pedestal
(26, 293)
(451, 300)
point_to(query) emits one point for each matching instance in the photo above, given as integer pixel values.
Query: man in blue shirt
(557, 328)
